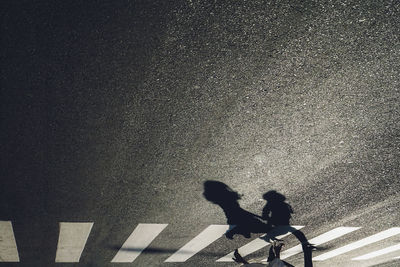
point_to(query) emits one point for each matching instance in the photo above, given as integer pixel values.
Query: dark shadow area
(155, 250)
(276, 211)
(244, 221)
(276, 214)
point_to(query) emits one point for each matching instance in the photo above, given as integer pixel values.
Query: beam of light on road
(139, 240)
(72, 240)
(259, 243)
(205, 238)
(319, 240)
(398, 257)
(8, 246)
(378, 253)
(358, 244)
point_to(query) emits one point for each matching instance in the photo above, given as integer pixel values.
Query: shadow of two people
(274, 221)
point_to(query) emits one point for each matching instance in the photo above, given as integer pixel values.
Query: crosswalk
(319, 240)
(73, 237)
(139, 240)
(72, 240)
(358, 244)
(8, 246)
(205, 238)
(260, 242)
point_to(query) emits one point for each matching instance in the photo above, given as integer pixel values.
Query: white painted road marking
(259, 243)
(205, 238)
(73, 237)
(378, 253)
(358, 244)
(8, 246)
(140, 239)
(72, 240)
(321, 239)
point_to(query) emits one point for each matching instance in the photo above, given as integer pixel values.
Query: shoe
(238, 258)
(236, 254)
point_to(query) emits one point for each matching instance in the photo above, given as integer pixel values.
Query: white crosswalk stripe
(8, 246)
(319, 240)
(378, 253)
(72, 240)
(358, 244)
(140, 238)
(205, 238)
(259, 243)
(73, 237)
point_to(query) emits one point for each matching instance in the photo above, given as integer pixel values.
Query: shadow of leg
(239, 229)
(307, 247)
(300, 236)
(307, 250)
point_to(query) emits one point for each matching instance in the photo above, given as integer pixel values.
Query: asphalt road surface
(115, 113)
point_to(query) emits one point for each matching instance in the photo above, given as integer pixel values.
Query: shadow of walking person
(243, 222)
(278, 214)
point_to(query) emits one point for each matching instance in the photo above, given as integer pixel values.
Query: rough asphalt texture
(116, 112)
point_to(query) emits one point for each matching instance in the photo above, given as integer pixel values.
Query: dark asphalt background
(116, 112)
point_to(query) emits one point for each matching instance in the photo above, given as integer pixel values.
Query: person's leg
(277, 249)
(271, 255)
(238, 258)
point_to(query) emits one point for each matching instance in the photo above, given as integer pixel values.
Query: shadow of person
(276, 211)
(243, 222)
(278, 214)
